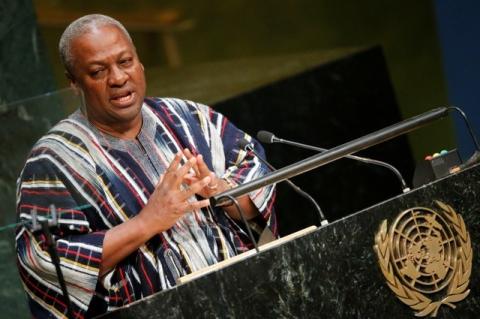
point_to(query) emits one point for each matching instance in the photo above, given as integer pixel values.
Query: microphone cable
(247, 146)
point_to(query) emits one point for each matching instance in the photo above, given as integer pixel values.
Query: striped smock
(97, 181)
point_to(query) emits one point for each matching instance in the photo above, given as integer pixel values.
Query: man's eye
(126, 61)
(96, 73)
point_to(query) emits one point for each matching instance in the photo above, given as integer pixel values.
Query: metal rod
(331, 155)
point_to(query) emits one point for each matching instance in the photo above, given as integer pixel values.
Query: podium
(334, 271)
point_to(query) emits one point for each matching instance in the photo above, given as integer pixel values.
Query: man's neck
(125, 131)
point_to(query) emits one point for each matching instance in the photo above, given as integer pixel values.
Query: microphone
(247, 146)
(270, 138)
(331, 155)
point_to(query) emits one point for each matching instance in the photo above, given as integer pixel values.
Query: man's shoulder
(71, 130)
(163, 103)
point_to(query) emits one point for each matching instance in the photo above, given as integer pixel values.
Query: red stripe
(48, 192)
(125, 286)
(47, 209)
(77, 253)
(167, 112)
(224, 124)
(210, 113)
(145, 273)
(39, 208)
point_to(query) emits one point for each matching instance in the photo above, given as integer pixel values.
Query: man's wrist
(229, 182)
(146, 225)
(224, 185)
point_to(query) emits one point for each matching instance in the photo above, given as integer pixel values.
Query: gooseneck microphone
(331, 155)
(269, 138)
(247, 146)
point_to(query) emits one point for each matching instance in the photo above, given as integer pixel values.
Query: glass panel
(22, 123)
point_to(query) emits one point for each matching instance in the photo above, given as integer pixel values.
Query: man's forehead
(98, 36)
(101, 42)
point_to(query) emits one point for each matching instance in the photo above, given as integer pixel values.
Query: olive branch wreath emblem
(456, 291)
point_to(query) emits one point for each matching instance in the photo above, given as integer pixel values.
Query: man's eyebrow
(95, 62)
(101, 62)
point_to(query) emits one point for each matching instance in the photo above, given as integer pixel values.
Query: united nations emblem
(426, 258)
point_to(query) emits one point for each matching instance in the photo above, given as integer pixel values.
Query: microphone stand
(44, 226)
(331, 155)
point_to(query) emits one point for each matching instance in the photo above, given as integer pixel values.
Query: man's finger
(196, 187)
(202, 166)
(189, 155)
(190, 179)
(169, 174)
(191, 206)
(180, 174)
(175, 162)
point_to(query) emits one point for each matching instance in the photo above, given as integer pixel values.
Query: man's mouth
(123, 99)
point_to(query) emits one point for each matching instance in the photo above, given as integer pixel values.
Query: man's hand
(169, 201)
(172, 197)
(216, 186)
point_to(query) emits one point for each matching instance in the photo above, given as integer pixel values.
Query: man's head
(81, 26)
(101, 61)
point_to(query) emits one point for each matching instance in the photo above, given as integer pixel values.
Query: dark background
(344, 98)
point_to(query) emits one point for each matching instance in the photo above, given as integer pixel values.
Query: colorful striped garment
(75, 165)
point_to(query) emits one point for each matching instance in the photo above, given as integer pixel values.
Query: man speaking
(130, 178)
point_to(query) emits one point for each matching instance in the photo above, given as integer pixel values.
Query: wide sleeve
(46, 180)
(234, 164)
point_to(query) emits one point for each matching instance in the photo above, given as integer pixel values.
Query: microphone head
(265, 137)
(243, 143)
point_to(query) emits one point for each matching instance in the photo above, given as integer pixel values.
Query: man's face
(107, 69)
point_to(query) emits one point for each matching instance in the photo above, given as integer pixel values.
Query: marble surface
(330, 273)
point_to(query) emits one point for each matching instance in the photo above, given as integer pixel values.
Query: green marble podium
(332, 272)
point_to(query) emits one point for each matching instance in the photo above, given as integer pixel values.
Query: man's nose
(117, 76)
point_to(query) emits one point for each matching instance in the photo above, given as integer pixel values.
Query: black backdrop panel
(328, 105)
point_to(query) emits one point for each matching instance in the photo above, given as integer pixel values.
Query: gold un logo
(426, 258)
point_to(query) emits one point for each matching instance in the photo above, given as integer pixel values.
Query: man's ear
(73, 84)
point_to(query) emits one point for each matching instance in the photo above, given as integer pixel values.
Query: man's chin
(128, 113)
